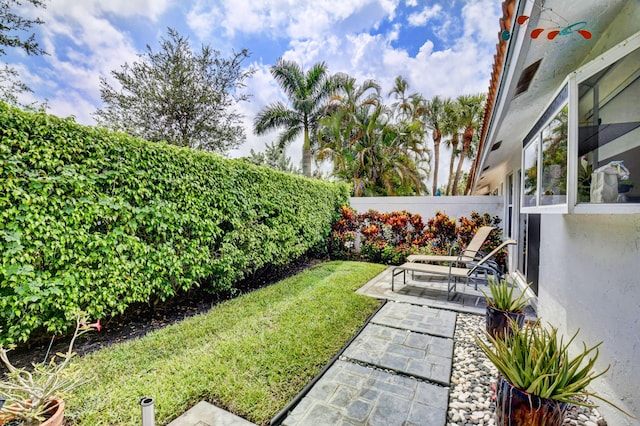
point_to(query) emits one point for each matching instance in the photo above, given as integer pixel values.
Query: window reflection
(554, 160)
(609, 132)
(530, 177)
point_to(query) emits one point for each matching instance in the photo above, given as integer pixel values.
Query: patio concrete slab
(351, 394)
(206, 414)
(429, 291)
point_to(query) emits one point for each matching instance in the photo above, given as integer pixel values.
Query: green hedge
(95, 220)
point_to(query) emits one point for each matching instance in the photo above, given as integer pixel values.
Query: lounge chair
(452, 272)
(468, 254)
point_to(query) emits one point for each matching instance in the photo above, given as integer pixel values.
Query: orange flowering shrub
(390, 237)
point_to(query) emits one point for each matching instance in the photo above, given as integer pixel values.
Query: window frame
(571, 82)
(560, 100)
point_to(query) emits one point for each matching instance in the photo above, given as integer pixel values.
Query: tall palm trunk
(467, 189)
(437, 137)
(454, 148)
(306, 153)
(467, 137)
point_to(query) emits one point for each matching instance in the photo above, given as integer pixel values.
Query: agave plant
(503, 296)
(535, 360)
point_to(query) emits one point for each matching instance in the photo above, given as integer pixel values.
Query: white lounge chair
(468, 254)
(452, 272)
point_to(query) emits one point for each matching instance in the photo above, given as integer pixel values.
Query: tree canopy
(12, 35)
(308, 92)
(377, 151)
(273, 157)
(178, 95)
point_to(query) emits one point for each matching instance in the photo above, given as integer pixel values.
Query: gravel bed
(471, 397)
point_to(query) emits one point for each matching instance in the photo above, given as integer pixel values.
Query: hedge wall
(95, 220)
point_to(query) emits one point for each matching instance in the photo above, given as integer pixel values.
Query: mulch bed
(140, 319)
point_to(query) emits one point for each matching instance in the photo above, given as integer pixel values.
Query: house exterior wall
(590, 280)
(428, 206)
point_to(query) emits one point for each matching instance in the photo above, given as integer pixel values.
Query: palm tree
(337, 132)
(435, 116)
(308, 93)
(368, 149)
(471, 111)
(402, 106)
(451, 127)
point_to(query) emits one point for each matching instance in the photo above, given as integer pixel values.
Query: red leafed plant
(390, 237)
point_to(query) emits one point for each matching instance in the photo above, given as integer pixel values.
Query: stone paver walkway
(395, 372)
(436, 322)
(351, 394)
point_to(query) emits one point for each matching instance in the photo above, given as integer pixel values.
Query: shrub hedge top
(96, 220)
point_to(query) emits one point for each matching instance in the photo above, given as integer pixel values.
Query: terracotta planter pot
(498, 321)
(56, 412)
(57, 416)
(515, 408)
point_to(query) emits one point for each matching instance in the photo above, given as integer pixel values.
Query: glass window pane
(609, 134)
(554, 160)
(530, 177)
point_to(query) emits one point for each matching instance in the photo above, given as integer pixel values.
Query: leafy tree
(338, 131)
(378, 155)
(176, 95)
(471, 112)
(273, 157)
(308, 92)
(12, 29)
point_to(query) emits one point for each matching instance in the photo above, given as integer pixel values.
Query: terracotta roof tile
(508, 7)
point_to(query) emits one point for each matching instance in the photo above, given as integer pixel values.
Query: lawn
(250, 355)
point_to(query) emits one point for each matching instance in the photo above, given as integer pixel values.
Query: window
(609, 134)
(545, 157)
(583, 154)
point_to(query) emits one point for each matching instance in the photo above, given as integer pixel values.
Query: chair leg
(393, 277)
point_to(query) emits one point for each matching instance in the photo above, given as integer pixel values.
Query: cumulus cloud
(83, 43)
(421, 18)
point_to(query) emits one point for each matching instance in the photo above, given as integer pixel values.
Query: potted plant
(538, 378)
(503, 306)
(36, 397)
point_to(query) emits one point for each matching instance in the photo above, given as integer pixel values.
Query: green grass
(250, 355)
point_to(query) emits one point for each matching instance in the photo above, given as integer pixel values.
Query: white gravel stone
(471, 398)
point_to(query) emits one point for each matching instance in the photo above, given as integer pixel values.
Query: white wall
(428, 206)
(590, 280)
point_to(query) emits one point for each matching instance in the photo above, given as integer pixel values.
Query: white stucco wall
(428, 206)
(590, 280)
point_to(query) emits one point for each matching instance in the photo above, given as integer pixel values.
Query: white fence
(427, 207)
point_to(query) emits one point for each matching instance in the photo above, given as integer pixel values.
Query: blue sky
(441, 47)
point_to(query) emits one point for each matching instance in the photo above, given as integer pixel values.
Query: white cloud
(481, 21)
(200, 20)
(420, 19)
(280, 18)
(84, 43)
